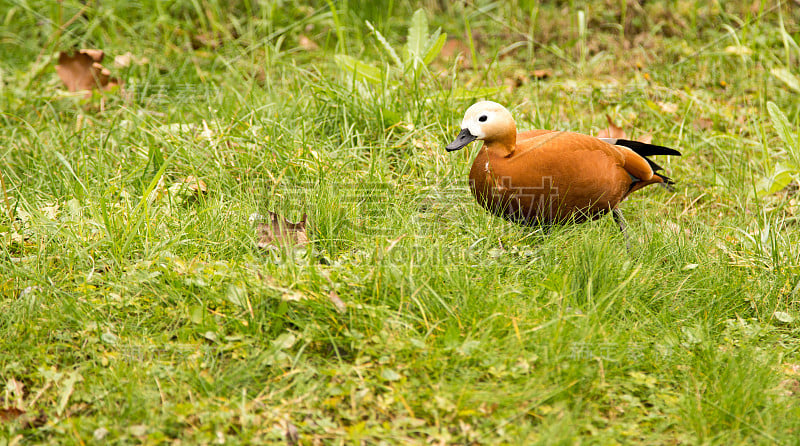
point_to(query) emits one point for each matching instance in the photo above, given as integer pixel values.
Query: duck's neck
(502, 147)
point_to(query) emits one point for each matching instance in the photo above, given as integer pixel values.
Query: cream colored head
(487, 121)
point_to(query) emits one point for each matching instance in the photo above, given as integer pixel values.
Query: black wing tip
(646, 149)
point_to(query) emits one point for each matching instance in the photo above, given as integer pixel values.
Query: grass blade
(435, 45)
(359, 69)
(386, 46)
(786, 76)
(417, 37)
(784, 130)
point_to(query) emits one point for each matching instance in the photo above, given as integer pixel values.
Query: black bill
(463, 138)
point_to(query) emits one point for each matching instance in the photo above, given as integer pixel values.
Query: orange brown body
(544, 176)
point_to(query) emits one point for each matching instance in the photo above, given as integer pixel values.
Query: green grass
(135, 312)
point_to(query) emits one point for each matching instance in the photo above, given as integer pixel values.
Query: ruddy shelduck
(542, 177)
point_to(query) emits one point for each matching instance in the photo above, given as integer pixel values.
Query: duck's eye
(483, 118)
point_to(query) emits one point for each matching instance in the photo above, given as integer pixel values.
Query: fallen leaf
(51, 212)
(189, 188)
(703, 123)
(208, 40)
(195, 185)
(307, 44)
(337, 302)
(10, 414)
(31, 421)
(791, 369)
(96, 55)
(456, 47)
(83, 71)
(281, 232)
(123, 61)
(789, 387)
(612, 131)
(292, 437)
(647, 138)
(128, 59)
(542, 74)
(668, 107)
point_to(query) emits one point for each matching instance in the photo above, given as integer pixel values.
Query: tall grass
(136, 310)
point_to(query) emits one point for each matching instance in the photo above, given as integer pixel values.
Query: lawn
(136, 306)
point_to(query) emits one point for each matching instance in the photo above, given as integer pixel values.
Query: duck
(547, 177)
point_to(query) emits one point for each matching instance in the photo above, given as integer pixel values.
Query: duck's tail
(644, 150)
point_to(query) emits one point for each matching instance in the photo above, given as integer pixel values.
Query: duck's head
(487, 121)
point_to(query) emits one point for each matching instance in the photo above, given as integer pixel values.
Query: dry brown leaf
(791, 369)
(96, 55)
(612, 131)
(31, 421)
(124, 60)
(206, 40)
(703, 123)
(456, 47)
(195, 185)
(521, 77)
(336, 301)
(128, 59)
(84, 71)
(281, 232)
(789, 387)
(10, 414)
(453, 47)
(647, 138)
(307, 44)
